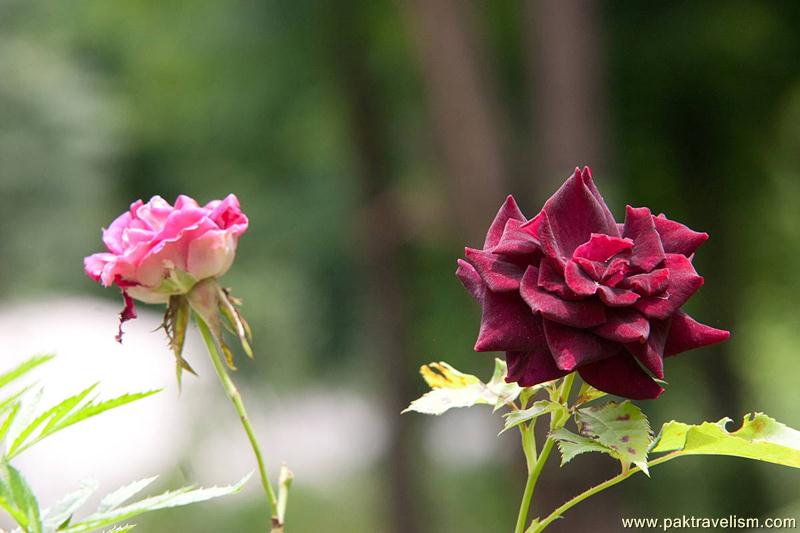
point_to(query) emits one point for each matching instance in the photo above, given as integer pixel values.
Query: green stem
(533, 473)
(236, 400)
(599, 488)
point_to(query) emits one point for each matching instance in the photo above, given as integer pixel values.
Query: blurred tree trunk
(566, 79)
(467, 123)
(384, 281)
(564, 67)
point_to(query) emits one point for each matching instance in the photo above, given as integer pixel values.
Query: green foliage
(618, 429)
(175, 498)
(18, 500)
(515, 418)
(22, 428)
(64, 414)
(452, 388)
(760, 438)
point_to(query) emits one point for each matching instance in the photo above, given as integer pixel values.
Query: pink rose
(573, 290)
(156, 251)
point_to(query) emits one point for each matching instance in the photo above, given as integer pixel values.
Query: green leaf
(9, 419)
(66, 414)
(120, 529)
(18, 500)
(570, 445)
(51, 416)
(621, 427)
(23, 368)
(61, 513)
(123, 494)
(515, 418)
(175, 498)
(25, 417)
(760, 438)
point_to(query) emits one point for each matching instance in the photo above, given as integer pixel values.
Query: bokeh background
(368, 142)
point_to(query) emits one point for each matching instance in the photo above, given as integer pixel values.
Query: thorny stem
(236, 400)
(538, 462)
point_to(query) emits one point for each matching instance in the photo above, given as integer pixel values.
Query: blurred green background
(368, 142)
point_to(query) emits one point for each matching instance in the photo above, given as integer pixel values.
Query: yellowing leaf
(443, 376)
(452, 388)
(760, 438)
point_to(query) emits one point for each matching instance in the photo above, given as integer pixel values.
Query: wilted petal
(507, 211)
(621, 375)
(470, 279)
(686, 334)
(649, 283)
(580, 314)
(624, 325)
(128, 313)
(507, 324)
(498, 274)
(616, 297)
(532, 367)
(651, 353)
(572, 347)
(516, 240)
(683, 283)
(647, 249)
(576, 211)
(677, 238)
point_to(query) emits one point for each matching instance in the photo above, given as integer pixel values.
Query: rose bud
(573, 290)
(159, 253)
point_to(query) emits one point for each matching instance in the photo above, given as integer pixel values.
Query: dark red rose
(571, 289)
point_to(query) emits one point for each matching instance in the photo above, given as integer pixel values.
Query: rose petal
(580, 314)
(586, 174)
(578, 280)
(541, 228)
(651, 353)
(551, 279)
(576, 211)
(648, 284)
(227, 215)
(620, 375)
(686, 334)
(211, 255)
(507, 211)
(470, 279)
(516, 241)
(615, 272)
(96, 264)
(683, 283)
(677, 238)
(624, 325)
(532, 367)
(617, 297)
(647, 250)
(601, 247)
(572, 347)
(498, 274)
(507, 324)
